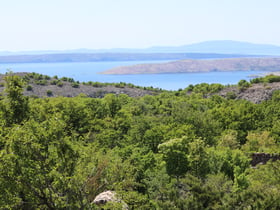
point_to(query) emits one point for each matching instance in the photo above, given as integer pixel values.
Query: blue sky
(103, 24)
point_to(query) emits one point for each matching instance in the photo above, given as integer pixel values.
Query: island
(204, 65)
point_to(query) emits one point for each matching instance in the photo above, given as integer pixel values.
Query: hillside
(185, 149)
(190, 65)
(44, 86)
(256, 93)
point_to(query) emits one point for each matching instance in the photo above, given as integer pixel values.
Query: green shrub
(71, 80)
(46, 77)
(54, 82)
(49, 93)
(267, 79)
(29, 88)
(41, 82)
(75, 85)
(59, 84)
(231, 95)
(243, 85)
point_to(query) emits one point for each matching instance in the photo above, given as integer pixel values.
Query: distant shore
(205, 65)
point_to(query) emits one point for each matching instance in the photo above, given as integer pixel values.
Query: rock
(262, 158)
(257, 93)
(108, 196)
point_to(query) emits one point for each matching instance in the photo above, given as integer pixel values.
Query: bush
(29, 88)
(59, 84)
(97, 84)
(243, 85)
(54, 82)
(75, 85)
(49, 93)
(71, 80)
(272, 78)
(256, 80)
(231, 95)
(267, 79)
(65, 79)
(41, 82)
(46, 77)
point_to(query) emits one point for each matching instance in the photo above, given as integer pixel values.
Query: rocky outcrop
(256, 93)
(108, 196)
(262, 158)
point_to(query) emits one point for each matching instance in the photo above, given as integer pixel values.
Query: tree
(260, 142)
(229, 139)
(41, 163)
(15, 107)
(198, 158)
(175, 155)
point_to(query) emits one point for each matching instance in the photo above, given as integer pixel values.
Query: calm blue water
(88, 71)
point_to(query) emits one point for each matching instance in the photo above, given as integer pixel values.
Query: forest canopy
(171, 150)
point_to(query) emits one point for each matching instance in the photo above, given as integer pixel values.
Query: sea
(90, 71)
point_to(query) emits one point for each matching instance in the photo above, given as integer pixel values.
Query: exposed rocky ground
(256, 93)
(45, 86)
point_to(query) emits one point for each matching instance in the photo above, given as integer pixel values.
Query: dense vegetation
(168, 151)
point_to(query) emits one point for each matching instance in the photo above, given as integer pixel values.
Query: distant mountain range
(203, 50)
(224, 47)
(218, 47)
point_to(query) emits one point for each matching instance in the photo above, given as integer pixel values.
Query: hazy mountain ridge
(219, 46)
(226, 47)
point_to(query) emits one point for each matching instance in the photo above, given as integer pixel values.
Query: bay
(89, 71)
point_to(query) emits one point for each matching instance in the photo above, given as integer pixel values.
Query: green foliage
(29, 88)
(243, 85)
(205, 88)
(43, 160)
(229, 138)
(267, 79)
(54, 82)
(261, 142)
(75, 85)
(175, 156)
(59, 83)
(168, 151)
(198, 158)
(49, 93)
(230, 95)
(15, 107)
(41, 82)
(65, 79)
